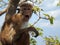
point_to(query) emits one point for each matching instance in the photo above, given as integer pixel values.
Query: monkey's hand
(34, 30)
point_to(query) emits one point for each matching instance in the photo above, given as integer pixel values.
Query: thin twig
(3, 11)
(37, 20)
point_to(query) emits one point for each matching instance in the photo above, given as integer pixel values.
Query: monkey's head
(26, 9)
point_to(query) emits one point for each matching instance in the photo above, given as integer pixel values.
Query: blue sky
(49, 7)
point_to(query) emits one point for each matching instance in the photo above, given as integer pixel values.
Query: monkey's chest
(8, 35)
(21, 25)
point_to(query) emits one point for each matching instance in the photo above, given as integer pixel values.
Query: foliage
(47, 16)
(38, 1)
(52, 41)
(50, 18)
(0, 0)
(36, 9)
(58, 4)
(40, 31)
(33, 41)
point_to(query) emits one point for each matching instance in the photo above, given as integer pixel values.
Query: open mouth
(27, 16)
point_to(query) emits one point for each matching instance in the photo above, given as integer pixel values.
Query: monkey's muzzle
(27, 16)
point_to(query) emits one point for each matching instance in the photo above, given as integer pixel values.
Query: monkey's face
(26, 11)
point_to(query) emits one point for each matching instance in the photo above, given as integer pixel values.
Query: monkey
(16, 31)
(19, 10)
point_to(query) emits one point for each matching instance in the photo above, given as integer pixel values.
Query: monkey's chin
(26, 19)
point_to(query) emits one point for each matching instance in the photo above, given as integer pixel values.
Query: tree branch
(3, 11)
(11, 7)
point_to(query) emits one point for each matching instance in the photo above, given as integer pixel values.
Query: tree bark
(11, 10)
(11, 7)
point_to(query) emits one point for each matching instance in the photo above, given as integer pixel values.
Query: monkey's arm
(19, 32)
(34, 30)
(29, 29)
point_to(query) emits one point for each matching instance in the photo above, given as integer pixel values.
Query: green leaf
(47, 15)
(51, 20)
(36, 8)
(33, 41)
(35, 12)
(40, 33)
(46, 38)
(58, 4)
(40, 1)
(1, 0)
(37, 28)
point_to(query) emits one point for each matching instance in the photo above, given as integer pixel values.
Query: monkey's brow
(25, 5)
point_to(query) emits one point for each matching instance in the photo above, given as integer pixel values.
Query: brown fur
(12, 34)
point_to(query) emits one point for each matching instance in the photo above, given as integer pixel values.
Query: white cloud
(55, 2)
(54, 13)
(49, 4)
(52, 3)
(56, 24)
(44, 24)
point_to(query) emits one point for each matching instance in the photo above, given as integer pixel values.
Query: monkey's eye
(28, 8)
(24, 8)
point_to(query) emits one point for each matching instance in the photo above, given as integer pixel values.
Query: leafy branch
(47, 16)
